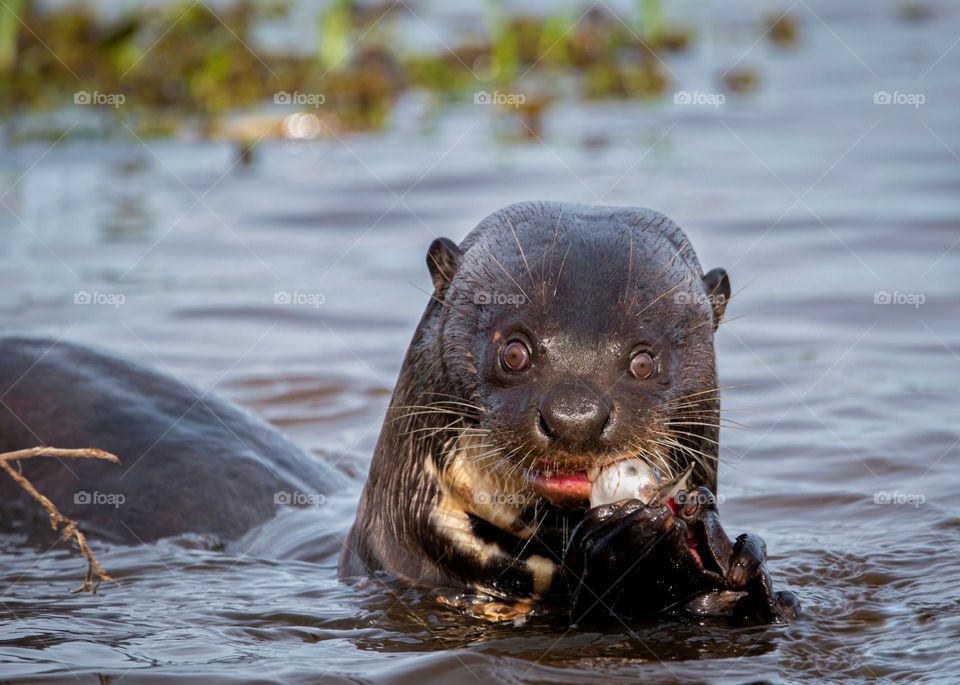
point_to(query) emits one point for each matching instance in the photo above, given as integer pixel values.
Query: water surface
(817, 200)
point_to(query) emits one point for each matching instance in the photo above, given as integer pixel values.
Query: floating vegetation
(741, 80)
(782, 29)
(182, 56)
(915, 11)
(187, 61)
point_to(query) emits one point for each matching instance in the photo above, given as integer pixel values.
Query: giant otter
(560, 339)
(190, 462)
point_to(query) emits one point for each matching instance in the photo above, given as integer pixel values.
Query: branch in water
(95, 572)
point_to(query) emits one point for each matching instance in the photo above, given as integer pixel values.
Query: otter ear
(443, 258)
(717, 284)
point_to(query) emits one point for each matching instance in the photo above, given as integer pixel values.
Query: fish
(634, 479)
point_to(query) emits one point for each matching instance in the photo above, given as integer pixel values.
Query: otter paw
(621, 561)
(748, 596)
(748, 572)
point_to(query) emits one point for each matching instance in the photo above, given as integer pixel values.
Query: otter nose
(575, 414)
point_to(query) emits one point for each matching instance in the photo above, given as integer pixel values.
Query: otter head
(574, 337)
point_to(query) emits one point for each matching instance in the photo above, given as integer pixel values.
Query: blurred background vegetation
(202, 62)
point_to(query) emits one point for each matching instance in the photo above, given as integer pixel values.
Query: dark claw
(746, 562)
(698, 509)
(786, 606)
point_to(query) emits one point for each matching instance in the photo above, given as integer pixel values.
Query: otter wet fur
(560, 339)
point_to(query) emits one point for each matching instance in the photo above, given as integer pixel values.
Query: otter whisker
(709, 420)
(444, 303)
(704, 414)
(411, 414)
(690, 449)
(660, 297)
(699, 411)
(629, 279)
(731, 426)
(716, 388)
(666, 266)
(696, 456)
(455, 399)
(520, 462)
(501, 458)
(442, 403)
(533, 283)
(556, 283)
(533, 534)
(430, 431)
(717, 410)
(509, 275)
(458, 430)
(697, 436)
(664, 461)
(495, 454)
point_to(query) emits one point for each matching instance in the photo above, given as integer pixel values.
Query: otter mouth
(562, 489)
(591, 486)
(567, 485)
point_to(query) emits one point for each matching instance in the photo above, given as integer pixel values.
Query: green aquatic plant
(200, 62)
(553, 47)
(504, 48)
(651, 19)
(9, 28)
(335, 26)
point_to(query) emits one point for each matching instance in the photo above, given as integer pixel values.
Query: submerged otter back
(191, 463)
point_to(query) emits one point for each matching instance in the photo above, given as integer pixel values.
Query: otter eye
(642, 366)
(515, 356)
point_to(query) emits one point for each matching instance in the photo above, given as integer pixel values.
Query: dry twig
(95, 572)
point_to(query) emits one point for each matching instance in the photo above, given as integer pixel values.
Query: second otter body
(559, 339)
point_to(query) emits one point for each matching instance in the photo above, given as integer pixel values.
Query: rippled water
(813, 197)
